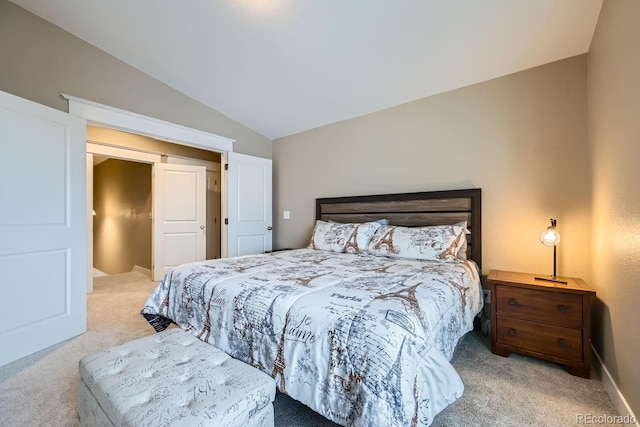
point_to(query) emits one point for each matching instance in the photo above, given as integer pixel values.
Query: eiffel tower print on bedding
(362, 339)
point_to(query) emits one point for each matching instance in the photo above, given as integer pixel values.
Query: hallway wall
(122, 224)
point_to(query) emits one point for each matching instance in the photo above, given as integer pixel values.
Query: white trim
(620, 403)
(90, 274)
(180, 160)
(115, 118)
(122, 153)
(142, 270)
(99, 273)
(224, 209)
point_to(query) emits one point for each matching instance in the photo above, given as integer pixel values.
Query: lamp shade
(550, 236)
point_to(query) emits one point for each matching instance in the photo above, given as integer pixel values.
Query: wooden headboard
(412, 210)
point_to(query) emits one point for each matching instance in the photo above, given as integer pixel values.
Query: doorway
(115, 118)
(57, 239)
(119, 183)
(122, 220)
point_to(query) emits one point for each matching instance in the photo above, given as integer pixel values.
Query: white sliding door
(43, 230)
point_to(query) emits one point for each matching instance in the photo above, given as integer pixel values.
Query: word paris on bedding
(360, 326)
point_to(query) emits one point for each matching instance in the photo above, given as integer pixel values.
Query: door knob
(202, 227)
(269, 228)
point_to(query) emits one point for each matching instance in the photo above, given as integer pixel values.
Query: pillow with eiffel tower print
(351, 238)
(436, 243)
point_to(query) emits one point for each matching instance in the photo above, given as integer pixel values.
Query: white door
(43, 231)
(249, 205)
(179, 216)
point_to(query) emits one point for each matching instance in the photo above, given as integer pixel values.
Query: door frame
(127, 121)
(120, 153)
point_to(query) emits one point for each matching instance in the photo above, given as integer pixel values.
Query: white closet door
(249, 205)
(43, 234)
(179, 213)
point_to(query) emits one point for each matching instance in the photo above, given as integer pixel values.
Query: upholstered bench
(172, 379)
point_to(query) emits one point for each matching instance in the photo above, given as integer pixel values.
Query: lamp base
(551, 279)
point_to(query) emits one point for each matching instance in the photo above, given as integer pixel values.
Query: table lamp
(551, 237)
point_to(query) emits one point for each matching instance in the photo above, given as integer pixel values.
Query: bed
(362, 324)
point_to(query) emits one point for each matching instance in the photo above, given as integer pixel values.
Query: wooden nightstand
(542, 319)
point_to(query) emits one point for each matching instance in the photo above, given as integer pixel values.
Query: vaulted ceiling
(284, 66)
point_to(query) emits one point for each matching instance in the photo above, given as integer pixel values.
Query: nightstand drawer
(556, 341)
(553, 307)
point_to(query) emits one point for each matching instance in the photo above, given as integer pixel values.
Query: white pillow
(462, 247)
(439, 242)
(338, 237)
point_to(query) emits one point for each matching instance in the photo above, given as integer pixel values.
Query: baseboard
(142, 270)
(620, 403)
(98, 273)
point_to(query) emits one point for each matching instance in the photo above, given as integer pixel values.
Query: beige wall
(521, 138)
(121, 226)
(614, 137)
(40, 61)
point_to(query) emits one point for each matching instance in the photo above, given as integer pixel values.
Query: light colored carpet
(40, 389)
(519, 391)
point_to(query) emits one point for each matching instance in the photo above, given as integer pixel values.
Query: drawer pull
(562, 308)
(512, 301)
(512, 332)
(561, 342)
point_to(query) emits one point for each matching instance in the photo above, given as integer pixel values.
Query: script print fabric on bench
(172, 379)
